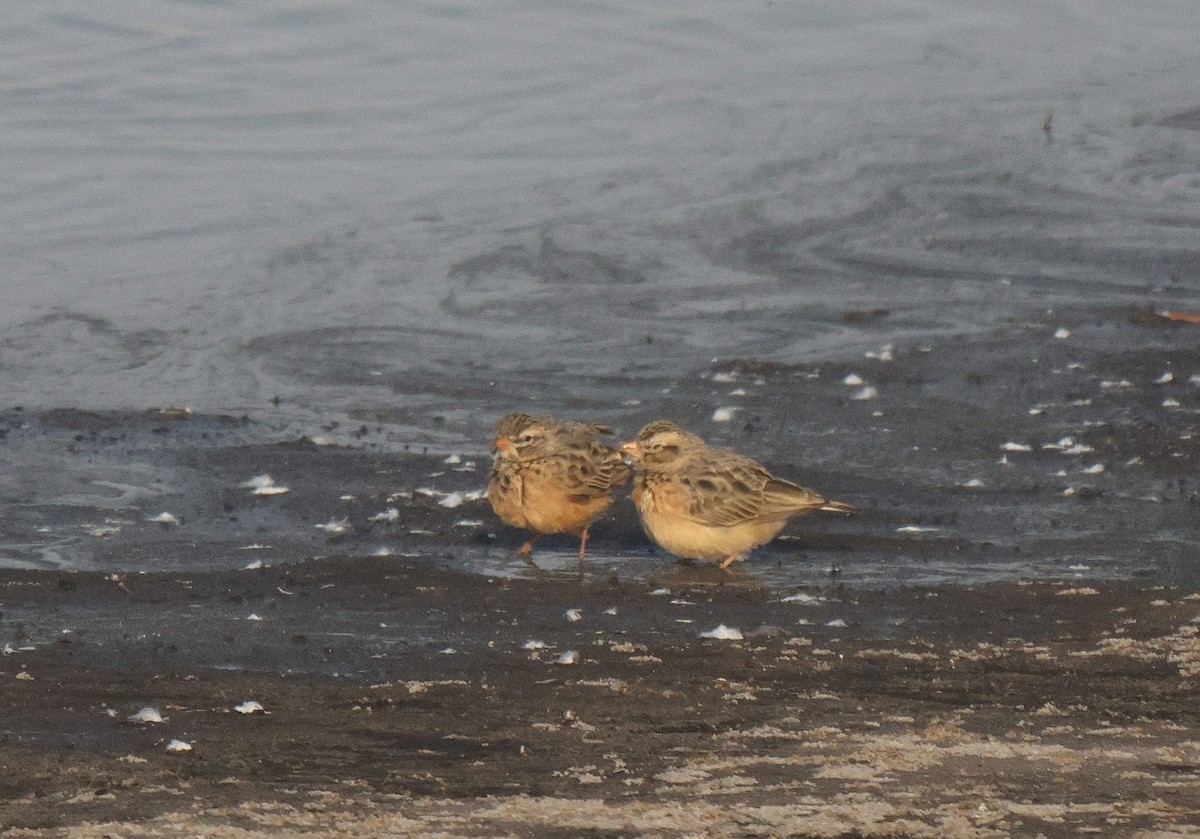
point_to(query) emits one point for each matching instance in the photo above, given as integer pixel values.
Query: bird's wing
(588, 468)
(728, 489)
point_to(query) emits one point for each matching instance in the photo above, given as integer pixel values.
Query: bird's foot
(732, 559)
(526, 550)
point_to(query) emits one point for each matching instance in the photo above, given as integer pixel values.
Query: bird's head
(517, 435)
(660, 443)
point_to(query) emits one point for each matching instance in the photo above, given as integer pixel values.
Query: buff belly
(544, 508)
(693, 540)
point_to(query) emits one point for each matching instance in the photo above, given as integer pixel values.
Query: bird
(553, 476)
(702, 502)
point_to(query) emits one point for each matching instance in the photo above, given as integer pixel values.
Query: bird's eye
(525, 439)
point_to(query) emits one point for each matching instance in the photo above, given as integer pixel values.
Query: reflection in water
(771, 571)
(35, 556)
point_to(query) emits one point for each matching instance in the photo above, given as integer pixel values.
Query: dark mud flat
(1006, 642)
(1044, 709)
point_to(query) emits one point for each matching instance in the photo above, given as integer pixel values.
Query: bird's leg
(732, 559)
(526, 550)
(583, 544)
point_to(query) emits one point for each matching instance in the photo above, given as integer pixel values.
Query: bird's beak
(502, 444)
(632, 449)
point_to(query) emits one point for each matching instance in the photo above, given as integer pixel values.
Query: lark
(553, 476)
(702, 502)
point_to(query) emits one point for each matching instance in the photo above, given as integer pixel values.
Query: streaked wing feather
(589, 468)
(780, 494)
(725, 493)
(734, 489)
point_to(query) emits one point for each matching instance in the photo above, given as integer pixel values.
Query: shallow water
(415, 217)
(417, 209)
(775, 568)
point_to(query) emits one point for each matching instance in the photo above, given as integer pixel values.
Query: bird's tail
(839, 507)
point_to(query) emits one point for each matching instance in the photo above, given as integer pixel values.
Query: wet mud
(403, 700)
(1005, 642)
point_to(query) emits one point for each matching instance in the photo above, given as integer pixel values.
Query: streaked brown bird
(701, 502)
(553, 476)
